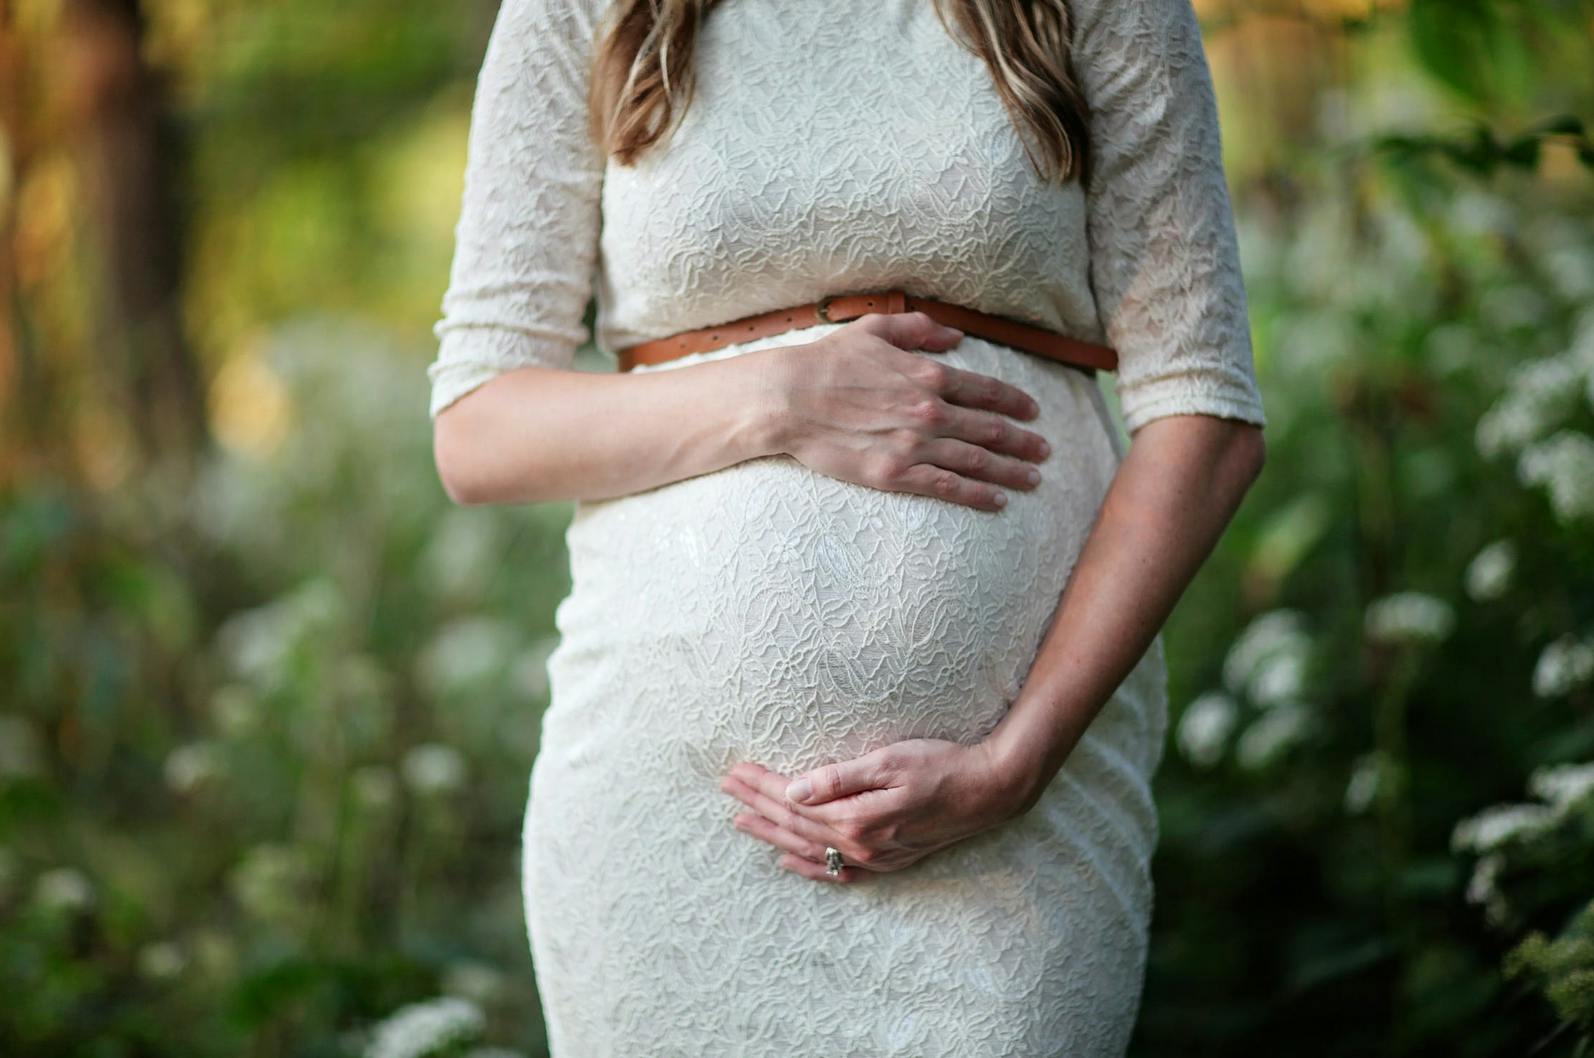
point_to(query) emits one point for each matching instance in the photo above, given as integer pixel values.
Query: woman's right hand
(860, 405)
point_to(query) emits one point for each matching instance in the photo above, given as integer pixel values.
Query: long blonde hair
(642, 74)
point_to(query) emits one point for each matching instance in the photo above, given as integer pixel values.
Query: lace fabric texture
(847, 146)
(765, 612)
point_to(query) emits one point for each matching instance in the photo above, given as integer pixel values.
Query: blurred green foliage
(268, 701)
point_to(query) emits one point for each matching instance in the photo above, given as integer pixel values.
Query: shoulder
(570, 20)
(1136, 52)
(534, 40)
(1130, 29)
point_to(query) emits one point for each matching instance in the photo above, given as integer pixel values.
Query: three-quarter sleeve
(527, 238)
(1164, 259)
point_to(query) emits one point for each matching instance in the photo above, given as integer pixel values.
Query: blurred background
(268, 701)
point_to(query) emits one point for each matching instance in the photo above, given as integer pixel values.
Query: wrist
(1022, 767)
(761, 395)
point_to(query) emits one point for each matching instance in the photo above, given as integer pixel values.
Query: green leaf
(1456, 41)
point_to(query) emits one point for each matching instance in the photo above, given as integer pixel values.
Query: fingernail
(799, 790)
(1000, 499)
(1033, 475)
(1046, 449)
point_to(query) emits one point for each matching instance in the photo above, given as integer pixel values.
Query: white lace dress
(766, 612)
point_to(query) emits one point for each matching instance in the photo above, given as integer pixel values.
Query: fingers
(803, 857)
(839, 780)
(909, 330)
(969, 456)
(917, 330)
(974, 461)
(849, 875)
(958, 437)
(779, 813)
(971, 389)
(943, 484)
(985, 429)
(761, 828)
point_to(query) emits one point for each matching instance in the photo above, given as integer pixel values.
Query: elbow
(457, 471)
(1250, 453)
(469, 451)
(1259, 459)
(460, 492)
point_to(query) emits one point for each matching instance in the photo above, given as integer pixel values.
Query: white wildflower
(1408, 617)
(1497, 912)
(258, 643)
(1281, 677)
(1538, 397)
(1566, 663)
(192, 765)
(1273, 734)
(1564, 465)
(434, 768)
(255, 644)
(1275, 632)
(1483, 886)
(161, 960)
(63, 889)
(424, 1028)
(1570, 269)
(465, 653)
(1489, 573)
(1492, 827)
(1205, 727)
(1362, 786)
(1564, 786)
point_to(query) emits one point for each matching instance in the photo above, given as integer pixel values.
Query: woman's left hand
(883, 811)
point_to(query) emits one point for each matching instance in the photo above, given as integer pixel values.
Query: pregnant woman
(859, 688)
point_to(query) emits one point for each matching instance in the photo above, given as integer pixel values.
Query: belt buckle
(822, 306)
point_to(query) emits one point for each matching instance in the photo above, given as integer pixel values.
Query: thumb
(836, 780)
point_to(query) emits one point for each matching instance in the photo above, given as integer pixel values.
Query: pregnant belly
(768, 612)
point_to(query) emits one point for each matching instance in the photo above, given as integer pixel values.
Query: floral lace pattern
(766, 612)
(830, 149)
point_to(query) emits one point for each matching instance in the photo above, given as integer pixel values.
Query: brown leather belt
(836, 308)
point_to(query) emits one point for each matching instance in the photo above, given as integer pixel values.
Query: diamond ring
(833, 862)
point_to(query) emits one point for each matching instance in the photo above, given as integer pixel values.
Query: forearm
(538, 434)
(1175, 492)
